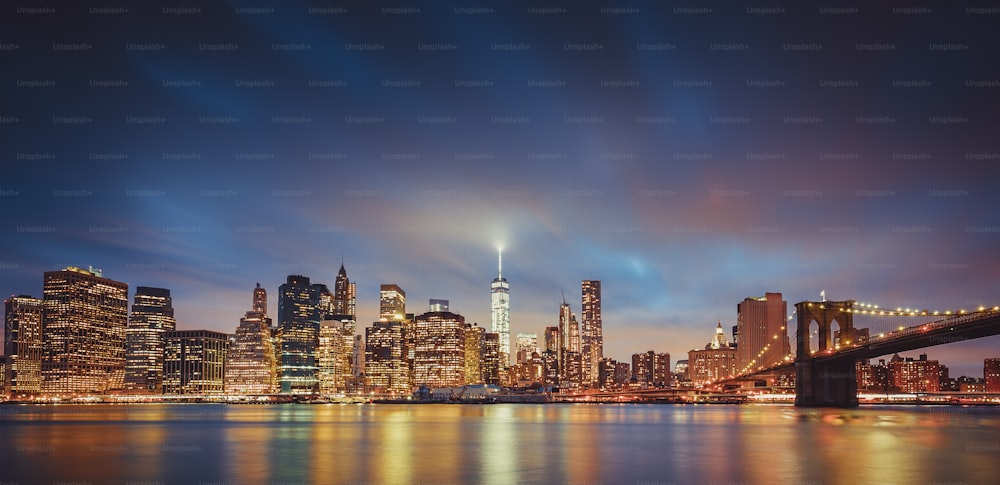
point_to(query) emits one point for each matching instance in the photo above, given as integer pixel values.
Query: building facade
(474, 336)
(527, 344)
(592, 331)
(439, 350)
(299, 314)
(152, 316)
(251, 362)
(194, 362)
(333, 357)
(23, 345)
(761, 327)
(385, 360)
(991, 374)
(84, 320)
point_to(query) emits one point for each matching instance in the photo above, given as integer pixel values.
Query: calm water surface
(554, 443)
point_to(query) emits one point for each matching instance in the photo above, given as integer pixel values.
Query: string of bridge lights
(872, 309)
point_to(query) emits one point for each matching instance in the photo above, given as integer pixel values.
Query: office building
(152, 316)
(491, 359)
(345, 295)
(194, 362)
(439, 350)
(251, 362)
(333, 357)
(527, 344)
(474, 336)
(299, 312)
(84, 320)
(714, 362)
(23, 346)
(385, 360)
(761, 328)
(592, 332)
(552, 339)
(392, 302)
(500, 310)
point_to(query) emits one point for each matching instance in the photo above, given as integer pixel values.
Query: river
(503, 444)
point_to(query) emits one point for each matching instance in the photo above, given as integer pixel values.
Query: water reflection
(396, 444)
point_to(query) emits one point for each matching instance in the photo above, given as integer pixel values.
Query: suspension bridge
(831, 336)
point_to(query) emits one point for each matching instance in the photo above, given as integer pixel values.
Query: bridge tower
(819, 380)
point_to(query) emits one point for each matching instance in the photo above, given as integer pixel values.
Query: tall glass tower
(500, 310)
(152, 316)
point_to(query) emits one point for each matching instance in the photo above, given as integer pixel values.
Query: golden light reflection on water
(396, 444)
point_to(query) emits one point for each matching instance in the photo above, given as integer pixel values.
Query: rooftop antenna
(563, 295)
(500, 263)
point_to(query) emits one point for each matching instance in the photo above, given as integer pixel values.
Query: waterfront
(503, 443)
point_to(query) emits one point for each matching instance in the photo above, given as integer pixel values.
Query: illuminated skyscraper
(500, 310)
(592, 338)
(392, 302)
(152, 316)
(439, 350)
(490, 359)
(332, 357)
(84, 319)
(251, 363)
(23, 345)
(552, 339)
(299, 314)
(761, 328)
(385, 359)
(259, 300)
(345, 294)
(474, 336)
(527, 344)
(194, 362)
(570, 362)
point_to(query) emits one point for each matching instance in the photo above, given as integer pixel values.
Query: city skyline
(567, 317)
(687, 159)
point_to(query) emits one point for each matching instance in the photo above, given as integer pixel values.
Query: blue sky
(687, 160)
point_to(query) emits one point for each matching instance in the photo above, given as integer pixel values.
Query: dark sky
(687, 155)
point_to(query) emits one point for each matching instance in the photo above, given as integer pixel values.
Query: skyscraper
(332, 357)
(385, 360)
(251, 361)
(392, 302)
(490, 359)
(299, 314)
(194, 362)
(23, 345)
(761, 328)
(84, 319)
(527, 344)
(500, 310)
(152, 316)
(552, 339)
(592, 338)
(474, 336)
(439, 349)
(344, 309)
(345, 294)
(569, 347)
